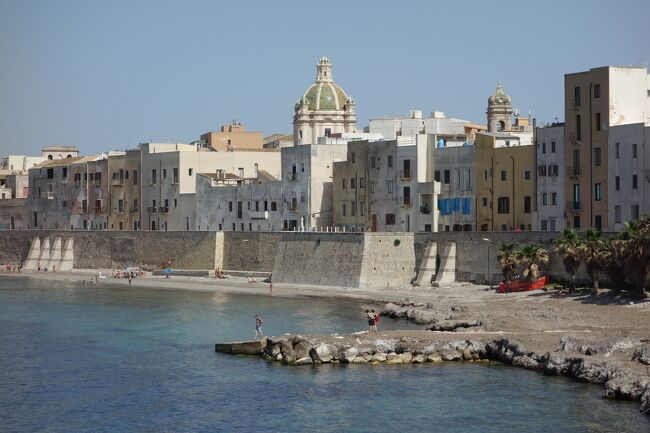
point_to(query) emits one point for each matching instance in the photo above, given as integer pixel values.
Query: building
(19, 163)
(233, 137)
(596, 101)
(549, 212)
(125, 183)
(18, 185)
(628, 174)
(86, 193)
(14, 214)
(168, 190)
(323, 109)
(275, 141)
(60, 152)
(454, 171)
(307, 185)
(450, 129)
(505, 183)
(375, 188)
(225, 201)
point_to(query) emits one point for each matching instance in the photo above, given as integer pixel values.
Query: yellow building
(505, 182)
(233, 137)
(125, 201)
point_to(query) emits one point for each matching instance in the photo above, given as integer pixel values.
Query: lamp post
(488, 258)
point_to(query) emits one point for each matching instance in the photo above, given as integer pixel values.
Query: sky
(107, 75)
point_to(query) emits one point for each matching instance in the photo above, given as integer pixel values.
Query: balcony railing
(573, 170)
(163, 209)
(259, 215)
(48, 195)
(117, 182)
(572, 206)
(425, 210)
(407, 202)
(405, 174)
(135, 210)
(573, 138)
(575, 103)
(292, 176)
(152, 209)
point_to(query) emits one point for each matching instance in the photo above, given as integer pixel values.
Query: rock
(586, 347)
(301, 349)
(423, 317)
(278, 357)
(432, 357)
(360, 360)
(349, 355)
(642, 354)
(407, 357)
(321, 353)
(453, 325)
(275, 350)
(418, 359)
(303, 361)
(450, 355)
(393, 358)
(625, 388)
(378, 357)
(459, 308)
(468, 354)
(645, 401)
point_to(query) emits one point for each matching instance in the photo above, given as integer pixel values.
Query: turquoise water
(80, 359)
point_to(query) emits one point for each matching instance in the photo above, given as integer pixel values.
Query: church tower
(499, 111)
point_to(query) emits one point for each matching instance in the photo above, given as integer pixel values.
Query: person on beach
(53, 268)
(96, 280)
(38, 268)
(130, 279)
(375, 321)
(270, 289)
(258, 327)
(371, 320)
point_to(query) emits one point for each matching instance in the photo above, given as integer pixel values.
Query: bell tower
(499, 111)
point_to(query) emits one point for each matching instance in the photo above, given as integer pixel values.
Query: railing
(152, 209)
(407, 202)
(292, 176)
(117, 182)
(573, 138)
(573, 170)
(575, 103)
(163, 209)
(425, 188)
(425, 210)
(48, 195)
(135, 210)
(572, 206)
(259, 215)
(405, 174)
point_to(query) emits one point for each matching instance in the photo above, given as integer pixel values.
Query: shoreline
(602, 339)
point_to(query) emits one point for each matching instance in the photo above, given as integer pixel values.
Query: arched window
(49, 156)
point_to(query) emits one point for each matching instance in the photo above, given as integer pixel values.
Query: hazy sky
(111, 74)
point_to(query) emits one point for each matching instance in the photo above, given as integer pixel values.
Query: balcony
(573, 171)
(99, 209)
(573, 138)
(292, 176)
(259, 215)
(152, 209)
(405, 174)
(407, 202)
(119, 211)
(425, 210)
(163, 209)
(575, 103)
(117, 182)
(48, 195)
(572, 206)
(135, 210)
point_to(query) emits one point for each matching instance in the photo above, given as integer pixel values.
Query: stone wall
(388, 260)
(250, 251)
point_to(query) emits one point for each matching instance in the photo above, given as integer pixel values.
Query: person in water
(258, 326)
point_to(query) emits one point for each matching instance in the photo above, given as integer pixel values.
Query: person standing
(371, 320)
(258, 326)
(375, 320)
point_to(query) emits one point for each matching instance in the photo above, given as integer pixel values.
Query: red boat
(521, 285)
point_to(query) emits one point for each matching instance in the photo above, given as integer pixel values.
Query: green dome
(325, 96)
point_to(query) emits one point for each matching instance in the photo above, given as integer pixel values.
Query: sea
(130, 359)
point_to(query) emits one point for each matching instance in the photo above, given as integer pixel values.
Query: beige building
(233, 137)
(60, 151)
(125, 200)
(595, 101)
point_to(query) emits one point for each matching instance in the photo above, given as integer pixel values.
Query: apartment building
(233, 137)
(454, 171)
(125, 183)
(549, 214)
(596, 101)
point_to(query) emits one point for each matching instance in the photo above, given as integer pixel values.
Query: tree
(596, 256)
(507, 258)
(615, 266)
(636, 236)
(568, 246)
(530, 256)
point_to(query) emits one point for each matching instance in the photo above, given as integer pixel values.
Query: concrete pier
(255, 347)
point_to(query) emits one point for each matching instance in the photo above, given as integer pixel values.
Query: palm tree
(637, 253)
(531, 256)
(615, 266)
(568, 246)
(507, 258)
(596, 256)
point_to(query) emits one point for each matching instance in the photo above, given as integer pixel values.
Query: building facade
(232, 137)
(454, 170)
(323, 109)
(125, 183)
(549, 213)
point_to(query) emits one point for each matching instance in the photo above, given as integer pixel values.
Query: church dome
(325, 94)
(499, 97)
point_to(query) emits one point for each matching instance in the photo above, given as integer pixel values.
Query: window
(544, 199)
(229, 206)
(598, 192)
(553, 146)
(64, 203)
(576, 196)
(596, 91)
(389, 186)
(175, 203)
(598, 222)
(64, 170)
(50, 173)
(362, 182)
(362, 210)
(503, 205)
(617, 214)
(597, 156)
(164, 173)
(634, 154)
(372, 186)
(353, 183)
(241, 171)
(135, 177)
(576, 222)
(503, 175)
(553, 170)
(153, 176)
(343, 209)
(617, 183)
(328, 132)
(390, 219)
(527, 205)
(343, 183)
(553, 199)
(617, 148)
(576, 162)
(578, 127)
(484, 201)
(597, 121)
(353, 211)
(552, 224)
(544, 225)
(576, 96)
(527, 174)
(352, 157)
(274, 206)
(544, 147)
(390, 161)
(634, 210)
(635, 181)
(541, 170)
(447, 176)
(373, 162)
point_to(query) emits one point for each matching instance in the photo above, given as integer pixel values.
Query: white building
(628, 170)
(225, 201)
(323, 109)
(169, 179)
(20, 163)
(454, 171)
(550, 178)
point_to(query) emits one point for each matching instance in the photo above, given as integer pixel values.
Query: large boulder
(303, 361)
(394, 358)
(407, 357)
(301, 349)
(378, 357)
(418, 359)
(322, 353)
(642, 354)
(349, 354)
(450, 355)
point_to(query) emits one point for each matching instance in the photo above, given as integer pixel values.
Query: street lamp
(488, 258)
